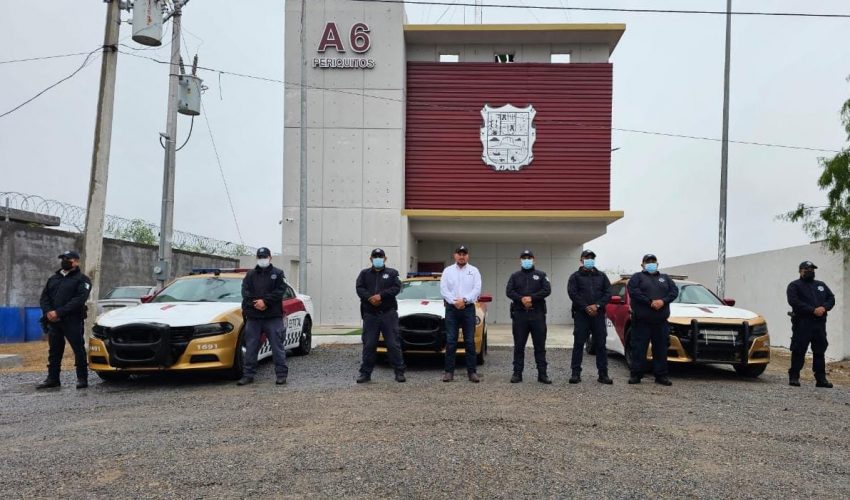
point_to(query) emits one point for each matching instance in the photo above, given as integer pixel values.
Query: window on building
(449, 58)
(504, 58)
(560, 58)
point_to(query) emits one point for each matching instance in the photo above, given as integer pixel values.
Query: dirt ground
(34, 356)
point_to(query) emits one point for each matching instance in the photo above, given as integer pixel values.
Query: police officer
(590, 291)
(651, 293)
(528, 289)
(262, 305)
(377, 287)
(810, 300)
(63, 302)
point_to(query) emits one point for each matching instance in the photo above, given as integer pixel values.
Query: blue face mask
(589, 263)
(526, 263)
(378, 262)
(651, 267)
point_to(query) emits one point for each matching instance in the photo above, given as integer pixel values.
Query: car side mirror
(616, 299)
(146, 298)
(485, 298)
(729, 302)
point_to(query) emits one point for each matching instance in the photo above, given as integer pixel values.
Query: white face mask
(264, 262)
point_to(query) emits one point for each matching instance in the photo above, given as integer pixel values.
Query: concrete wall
(758, 283)
(497, 261)
(523, 53)
(29, 257)
(355, 153)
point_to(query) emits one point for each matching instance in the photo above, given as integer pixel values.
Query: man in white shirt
(460, 286)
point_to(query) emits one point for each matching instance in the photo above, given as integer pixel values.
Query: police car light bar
(418, 274)
(216, 271)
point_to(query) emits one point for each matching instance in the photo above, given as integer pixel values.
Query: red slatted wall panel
(572, 155)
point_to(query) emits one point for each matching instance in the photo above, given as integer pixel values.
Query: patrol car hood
(421, 306)
(169, 313)
(709, 311)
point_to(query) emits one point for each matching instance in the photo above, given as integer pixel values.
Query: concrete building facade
(396, 147)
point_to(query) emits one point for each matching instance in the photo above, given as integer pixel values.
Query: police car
(421, 318)
(194, 323)
(703, 329)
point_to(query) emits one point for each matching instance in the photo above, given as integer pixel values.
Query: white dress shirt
(460, 283)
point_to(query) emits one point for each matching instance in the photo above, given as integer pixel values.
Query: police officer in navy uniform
(651, 293)
(377, 287)
(263, 289)
(810, 300)
(528, 289)
(590, 291)
(63, 302)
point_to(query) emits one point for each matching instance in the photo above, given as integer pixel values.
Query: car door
(616, 316)
(293, 309)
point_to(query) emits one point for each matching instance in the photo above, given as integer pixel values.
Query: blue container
(32, 328)
(12, 324)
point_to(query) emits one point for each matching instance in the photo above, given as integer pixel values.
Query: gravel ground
(710, 435)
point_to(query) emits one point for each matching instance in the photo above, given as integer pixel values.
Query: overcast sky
(788, 82)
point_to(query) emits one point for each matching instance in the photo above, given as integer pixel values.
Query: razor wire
(73, 218)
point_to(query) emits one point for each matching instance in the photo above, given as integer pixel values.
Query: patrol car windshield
(696, 294)
(420, 290)
(211, 289)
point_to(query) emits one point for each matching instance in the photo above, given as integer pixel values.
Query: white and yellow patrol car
(194, 323)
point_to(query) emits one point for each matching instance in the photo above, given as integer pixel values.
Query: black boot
(363, 378)
(82, 383)
(634, 379)
(48, 383)
(605, 379)
(399, 377)
(543, 378)
(794, 379)
(575, 378)
(663, 381)
(245, 381)
(823, 382)
(516, 378)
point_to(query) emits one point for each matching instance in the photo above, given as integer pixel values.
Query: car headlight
(212, 329)
(99, 332)
(759, 330)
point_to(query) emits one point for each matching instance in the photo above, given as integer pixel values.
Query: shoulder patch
(547, 278)
(821, 288)
(87, 285)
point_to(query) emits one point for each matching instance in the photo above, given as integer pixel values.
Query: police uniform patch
(274, 276)
(661, 280)
(820, 288)
(547, 278)
(536, 277)
(386, 276)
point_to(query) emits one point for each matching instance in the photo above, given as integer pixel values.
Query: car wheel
(305, 345)
(750, 371)
(588, 346)
(113, 376)
(235, 372)
(479, 358)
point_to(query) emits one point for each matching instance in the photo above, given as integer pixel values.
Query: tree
(138, 231)
(830, 223)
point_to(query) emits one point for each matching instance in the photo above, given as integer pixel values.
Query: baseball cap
(378, 252)
(69, 254)
(526, 253)
(588, 253)
(807, 264)
(648, 257)
(263, 252)
(461, 249)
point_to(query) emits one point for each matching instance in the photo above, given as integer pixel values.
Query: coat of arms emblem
(508, 136)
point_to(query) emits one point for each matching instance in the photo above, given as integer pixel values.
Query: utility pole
(96, 206)
(724, 161)
(302, 206)
(166, 226)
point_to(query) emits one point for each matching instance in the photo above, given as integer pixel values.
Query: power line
(42, 58)
(615, 9)
(221, 171)
(85, 63)
(441, 106)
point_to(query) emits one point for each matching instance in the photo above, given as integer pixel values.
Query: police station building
(420, 137)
